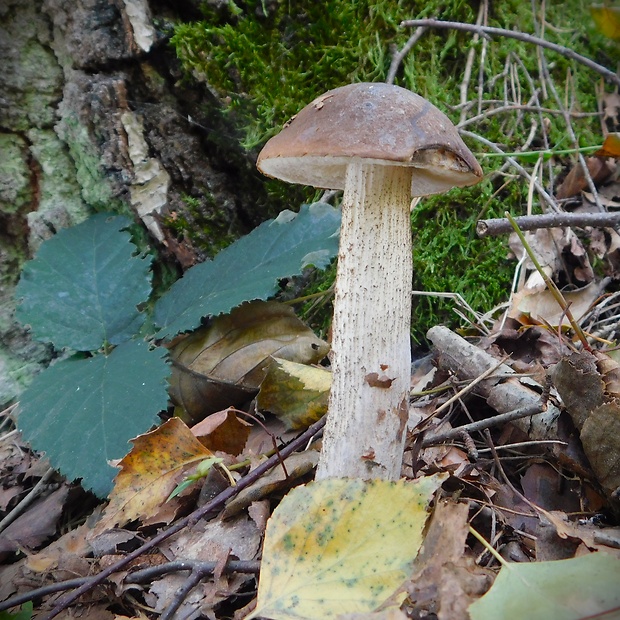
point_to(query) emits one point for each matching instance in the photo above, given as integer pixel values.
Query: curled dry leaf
(223, 431)
(295, 393)
(599, 168)
(223, 364)
(588, 385)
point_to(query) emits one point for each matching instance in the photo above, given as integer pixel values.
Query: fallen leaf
(607, 19)
(542, 306)
(297, 465)
(571, 589)
(36, 524)
(150, 472)
(329, 550)
(437, 586)
(224, 363)
(598, 167)
(223, 431)
(600, 437)
(295, 393)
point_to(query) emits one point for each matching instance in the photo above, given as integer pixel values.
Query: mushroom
(382, 145)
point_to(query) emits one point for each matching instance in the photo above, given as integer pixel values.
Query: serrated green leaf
(84, 285)
(251, 267)
(583, 587)
(341, 546)
(83, 412)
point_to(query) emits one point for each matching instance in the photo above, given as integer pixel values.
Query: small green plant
(86, 291)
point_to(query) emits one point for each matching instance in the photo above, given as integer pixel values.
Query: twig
(539, 188)
(571, 133)
(502, 418)
(215, 503)
(139, 576)
(398, 56)
(501, 225)
(521, 107)
(488, 31)
(34, 493)
(469, 65)
(146, 575)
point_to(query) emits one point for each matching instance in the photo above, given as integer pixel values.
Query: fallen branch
(216, 503)
(501, 226)
(505, 395)
(488, 31)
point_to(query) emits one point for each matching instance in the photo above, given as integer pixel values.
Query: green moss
(268, 58)
(271, 62)
(94, 187)
(203, 223)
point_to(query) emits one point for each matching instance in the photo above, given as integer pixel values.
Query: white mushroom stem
(368, 406)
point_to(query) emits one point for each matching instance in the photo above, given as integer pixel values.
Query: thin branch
(398, 56)
(503, 418)
(541, 190)
(140, 576)
(488, 31)
(146, 575)
(501, 226)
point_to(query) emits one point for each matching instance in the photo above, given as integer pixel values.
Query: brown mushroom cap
(377, 122)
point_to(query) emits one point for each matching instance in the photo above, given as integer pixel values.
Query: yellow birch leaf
(339, 546)
(150, 472)
(607, 18)
(295, 393)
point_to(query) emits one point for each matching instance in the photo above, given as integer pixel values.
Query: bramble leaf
(251, 267)
(83, 412)
(82, 289)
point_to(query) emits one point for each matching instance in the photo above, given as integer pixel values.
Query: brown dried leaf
(600, 437)
(36, 524)
(579, 384)
(445, 582)
(598, 167)
(610, 371)
(223, 364)
(223, 431)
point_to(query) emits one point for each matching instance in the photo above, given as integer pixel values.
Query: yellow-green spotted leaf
(296, 393)
(341, 546)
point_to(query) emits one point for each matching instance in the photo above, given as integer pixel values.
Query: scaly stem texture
(368, 407)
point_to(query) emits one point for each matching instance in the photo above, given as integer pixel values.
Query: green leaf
(83, 412)
(82, 289)
(340, 546)
(251, 267)
(583, 587)
(25, 613)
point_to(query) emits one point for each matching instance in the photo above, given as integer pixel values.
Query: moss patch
(268, 58)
